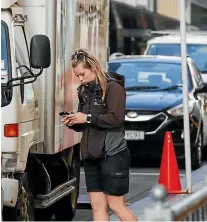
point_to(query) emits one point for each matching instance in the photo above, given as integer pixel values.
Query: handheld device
(64, 113)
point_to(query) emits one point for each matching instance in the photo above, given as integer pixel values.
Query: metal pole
(185, 96)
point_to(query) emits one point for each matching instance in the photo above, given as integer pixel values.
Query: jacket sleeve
(114, 118)
(78, 127)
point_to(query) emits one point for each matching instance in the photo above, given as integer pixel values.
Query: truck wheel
(196, 156)
(64, 209)
(43, 214)
(24, 209)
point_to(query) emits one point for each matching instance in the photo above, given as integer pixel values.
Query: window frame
(8, 48)
(191, 64)
(22, 87)
(9, 61)
(198, 73)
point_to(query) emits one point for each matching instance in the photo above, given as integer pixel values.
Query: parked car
(169, 45)
(154, 105)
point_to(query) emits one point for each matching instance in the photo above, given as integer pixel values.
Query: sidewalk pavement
(198, 181)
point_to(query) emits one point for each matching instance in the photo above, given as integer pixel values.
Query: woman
(100, 117)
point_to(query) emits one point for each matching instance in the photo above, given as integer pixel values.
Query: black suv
(154, 105)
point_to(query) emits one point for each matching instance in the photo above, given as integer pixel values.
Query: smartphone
(64, 113)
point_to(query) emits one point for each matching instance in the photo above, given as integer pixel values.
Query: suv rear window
(198, 52)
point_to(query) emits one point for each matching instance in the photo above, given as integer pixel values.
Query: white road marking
(142, 174)
(149, 174)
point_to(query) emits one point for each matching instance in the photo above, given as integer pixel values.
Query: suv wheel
(196, 156)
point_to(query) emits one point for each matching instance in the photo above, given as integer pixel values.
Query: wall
(143, 3)
(168, 8)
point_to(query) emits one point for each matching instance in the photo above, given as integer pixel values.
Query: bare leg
(118, 206)
(99, 206)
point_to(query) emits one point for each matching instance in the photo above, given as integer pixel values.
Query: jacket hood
(112, 76)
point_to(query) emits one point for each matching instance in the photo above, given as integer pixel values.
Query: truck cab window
(5, 64)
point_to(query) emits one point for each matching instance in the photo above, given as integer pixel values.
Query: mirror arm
(18, 84)
(19, 78)
(195, 94)
(39, 73)
(30, 71)
(24, 77)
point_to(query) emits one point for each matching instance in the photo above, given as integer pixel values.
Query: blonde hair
(90, 61)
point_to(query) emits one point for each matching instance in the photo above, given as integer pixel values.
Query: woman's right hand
(66, 120)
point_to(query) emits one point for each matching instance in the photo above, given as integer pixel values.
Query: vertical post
(159, 211)
(2, 202)
(185, 96)
(151, 5)
(188, 11)
(107, 23)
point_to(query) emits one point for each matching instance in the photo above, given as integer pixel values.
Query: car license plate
(134, 135)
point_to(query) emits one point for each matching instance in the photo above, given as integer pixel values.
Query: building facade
(168, 8)
(146, 4)
(196, 11)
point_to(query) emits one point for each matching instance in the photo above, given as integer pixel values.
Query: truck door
(28, 105)
(26, 90)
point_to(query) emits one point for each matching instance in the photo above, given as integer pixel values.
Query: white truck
(168, 43)
(41, 157)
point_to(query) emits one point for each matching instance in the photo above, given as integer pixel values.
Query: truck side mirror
(202, 89)
(40, 56)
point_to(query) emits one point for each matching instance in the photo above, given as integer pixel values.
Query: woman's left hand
(77, 118)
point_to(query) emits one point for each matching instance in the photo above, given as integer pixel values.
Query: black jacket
(105, 134)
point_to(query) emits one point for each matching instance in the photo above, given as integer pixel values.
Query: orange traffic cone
(169, 173)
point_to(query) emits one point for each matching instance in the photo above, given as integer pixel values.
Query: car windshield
(4, 55)
(198, 52)
(149, 75)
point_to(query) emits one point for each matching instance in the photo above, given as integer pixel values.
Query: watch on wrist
(88, 119)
